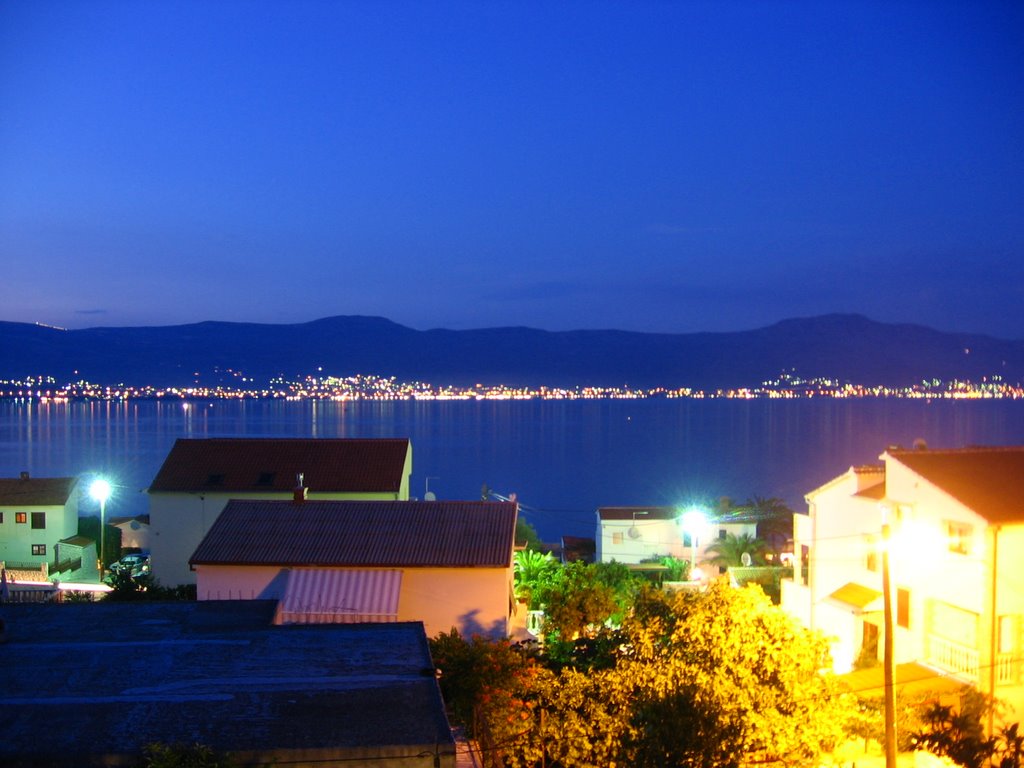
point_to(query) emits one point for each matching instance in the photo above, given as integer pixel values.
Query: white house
(635, 534)
(956, 547)
(198, 477)
(36, 514)
(445, 563)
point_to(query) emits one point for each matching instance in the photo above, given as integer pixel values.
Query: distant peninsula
(835, 348)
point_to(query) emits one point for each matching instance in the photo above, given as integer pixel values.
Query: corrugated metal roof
(333, 596)
(36, 491)
(272, 464)
(988, 480)
(361, 533)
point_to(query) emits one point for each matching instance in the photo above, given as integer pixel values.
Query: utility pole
(888, 655)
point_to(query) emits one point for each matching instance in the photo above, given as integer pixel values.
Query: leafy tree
(526, 535)
(125, 587)
(774, 522)
(184, 756)
(574, 600)
(483, 678)
(678, 570)
(708, 680)
(958, 734)
(728, 552)
(738, 676)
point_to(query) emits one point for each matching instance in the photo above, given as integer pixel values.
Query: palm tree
(728, 552)
(533, 570)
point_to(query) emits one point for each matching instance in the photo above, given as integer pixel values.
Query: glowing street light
(693, 522)
(100, 490)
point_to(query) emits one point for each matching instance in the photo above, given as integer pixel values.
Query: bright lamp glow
(694, 521)
(100, 490)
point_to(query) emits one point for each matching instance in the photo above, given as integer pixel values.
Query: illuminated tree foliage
(720, 678)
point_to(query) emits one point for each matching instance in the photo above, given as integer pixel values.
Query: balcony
(962, 660)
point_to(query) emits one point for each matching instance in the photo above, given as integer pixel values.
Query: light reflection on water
(562, 458)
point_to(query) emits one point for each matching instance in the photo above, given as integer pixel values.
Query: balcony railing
(954, 657)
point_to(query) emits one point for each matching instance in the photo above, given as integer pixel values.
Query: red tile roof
(989, 481)
(272, 464)
(36, 491)
(361, 533)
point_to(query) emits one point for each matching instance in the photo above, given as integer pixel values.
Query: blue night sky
(668, 167)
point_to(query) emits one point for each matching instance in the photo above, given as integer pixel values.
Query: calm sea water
(562, 459)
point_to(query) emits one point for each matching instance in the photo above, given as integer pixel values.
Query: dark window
(958, 535)
(903, 608)
(266, 478)
(21, 517)
(38, 549)
(722, 534)
(39, 520)
(1, 518)
(215, 480)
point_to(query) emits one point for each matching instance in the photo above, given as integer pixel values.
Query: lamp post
(100, 490)
(888, 654)
(693, 524)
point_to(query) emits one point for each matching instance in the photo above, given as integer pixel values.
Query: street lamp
(694, 521)
(100, 490)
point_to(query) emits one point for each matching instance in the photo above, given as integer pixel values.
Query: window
(903, 608)
(39, 520)
(722, 533)
(617, 537)
(1, 518)
(21, 517)
(38, 549)
(958, 536)
(1007, 634)
(872, 561)
(265, 478)
(215, 479)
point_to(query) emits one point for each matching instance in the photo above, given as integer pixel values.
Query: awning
(909, 678)
(337, 596)
(858, 598)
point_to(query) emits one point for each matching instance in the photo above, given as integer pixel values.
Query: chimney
(299, 494)
(24, 475)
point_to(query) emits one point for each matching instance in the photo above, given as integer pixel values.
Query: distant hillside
(848, 347)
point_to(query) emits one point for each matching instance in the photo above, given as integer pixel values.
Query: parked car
(129, 564)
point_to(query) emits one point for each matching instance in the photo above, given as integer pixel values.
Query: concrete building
(633, 534)
(39, 529)
(957, 541)
(94, 684)
(444, 563)
(199, 477)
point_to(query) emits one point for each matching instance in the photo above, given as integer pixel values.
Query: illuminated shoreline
(377, 388)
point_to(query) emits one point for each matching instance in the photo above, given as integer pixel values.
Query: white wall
(179, 521)
(16, 539)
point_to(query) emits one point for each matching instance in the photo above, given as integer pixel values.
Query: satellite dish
(746, 559)
(430, 496)
(634, 532)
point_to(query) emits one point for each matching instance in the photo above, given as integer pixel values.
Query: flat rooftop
(95, 683)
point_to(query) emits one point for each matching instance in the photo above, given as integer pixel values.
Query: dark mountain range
(846, 347)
